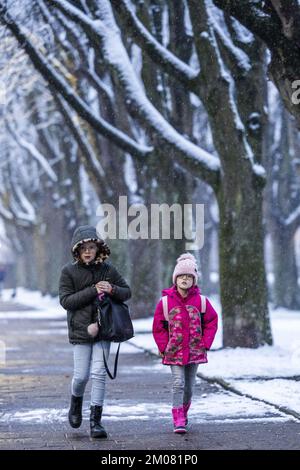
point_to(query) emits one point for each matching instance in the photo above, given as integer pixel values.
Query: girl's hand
(161, 354)
(103, 286)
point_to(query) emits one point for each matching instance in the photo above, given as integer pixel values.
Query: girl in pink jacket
(184, 327)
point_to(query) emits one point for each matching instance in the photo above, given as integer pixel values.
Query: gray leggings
(183, 383)
(88, 361)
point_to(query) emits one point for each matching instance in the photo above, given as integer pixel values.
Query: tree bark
(282, 198)
(286, 288)
(283, 42)
(241, 237)
(242, 270)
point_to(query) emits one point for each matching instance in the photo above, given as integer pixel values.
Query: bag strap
(103, 275)
(166, 310)
(203, 303)
(165, 307)
(110, 375)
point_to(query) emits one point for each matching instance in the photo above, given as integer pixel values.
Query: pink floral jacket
(185, 338)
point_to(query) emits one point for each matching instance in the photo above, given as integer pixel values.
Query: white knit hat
(186, 264)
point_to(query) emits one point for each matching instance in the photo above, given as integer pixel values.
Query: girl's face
(87, 252)
(185, 281)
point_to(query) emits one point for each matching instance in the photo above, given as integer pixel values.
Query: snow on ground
(43, 307)
(281, 392)
(217, 406)
(265, 373)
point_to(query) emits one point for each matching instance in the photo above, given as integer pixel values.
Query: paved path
(34, 399)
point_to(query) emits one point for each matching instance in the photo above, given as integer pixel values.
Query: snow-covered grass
(282, 392)
(42, 306)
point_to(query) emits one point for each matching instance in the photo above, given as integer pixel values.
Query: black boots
(97, 430)
(75, 412)
(75, 417)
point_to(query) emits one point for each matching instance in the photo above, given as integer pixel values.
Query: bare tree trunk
(282, 198)
(241, 237)
(286, 289)
(28, 274)
(242, 270)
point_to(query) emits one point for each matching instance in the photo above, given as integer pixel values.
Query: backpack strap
(165, 307)
(203, 303)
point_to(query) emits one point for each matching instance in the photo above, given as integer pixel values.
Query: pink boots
(179, 420)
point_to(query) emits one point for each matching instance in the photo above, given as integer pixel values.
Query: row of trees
(164, 102)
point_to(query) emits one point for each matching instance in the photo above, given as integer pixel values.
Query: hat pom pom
(185, 256)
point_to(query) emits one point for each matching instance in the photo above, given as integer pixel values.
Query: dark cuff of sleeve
(113, 290)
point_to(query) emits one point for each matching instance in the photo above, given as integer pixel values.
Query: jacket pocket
(174, 346)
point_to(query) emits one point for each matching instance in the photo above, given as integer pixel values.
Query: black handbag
(114, 320)
(115, 325)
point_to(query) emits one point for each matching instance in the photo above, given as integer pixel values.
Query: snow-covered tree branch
(61, 86)
(277, 24)
(105, 32)
(160, 55)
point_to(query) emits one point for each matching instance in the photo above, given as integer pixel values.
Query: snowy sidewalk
(34, 391)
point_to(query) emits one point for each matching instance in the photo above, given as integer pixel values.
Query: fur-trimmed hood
(88, 233)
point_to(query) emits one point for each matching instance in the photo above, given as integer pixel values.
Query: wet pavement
(35, 389)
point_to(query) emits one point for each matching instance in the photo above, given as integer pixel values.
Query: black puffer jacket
(78, 295)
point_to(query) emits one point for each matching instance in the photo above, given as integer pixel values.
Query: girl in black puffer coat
(81, 282)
